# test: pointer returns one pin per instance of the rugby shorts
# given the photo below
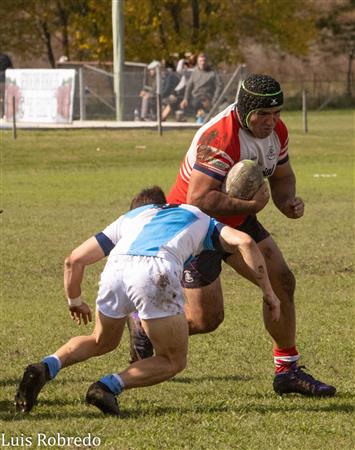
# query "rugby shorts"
(147, 284)
(207, 266)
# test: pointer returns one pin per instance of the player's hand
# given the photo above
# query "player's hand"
(81, 313)
(261, 198)
(294, 208)
(274, 306)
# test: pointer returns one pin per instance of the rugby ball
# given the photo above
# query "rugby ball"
(243, 180)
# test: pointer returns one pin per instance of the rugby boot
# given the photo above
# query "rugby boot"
(296, 380)
(100, 396)
(140, 345)
(33, 380)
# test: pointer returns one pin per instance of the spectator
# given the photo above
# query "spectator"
(169, 80)
(147, 94)
(172, 101)
(203, 88)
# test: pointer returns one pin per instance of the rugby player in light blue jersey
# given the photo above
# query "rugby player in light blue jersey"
(147, 248)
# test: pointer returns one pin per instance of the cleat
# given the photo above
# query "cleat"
(297, 381)
(140, 345)
(33, 380)
(100, 396)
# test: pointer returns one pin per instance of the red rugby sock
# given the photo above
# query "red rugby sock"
(284, 358)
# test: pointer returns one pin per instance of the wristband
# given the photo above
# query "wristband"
(75, 301)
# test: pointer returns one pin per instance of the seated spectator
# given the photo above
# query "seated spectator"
(169, 80)
(203, 88)
(148, 94)
(172, 101)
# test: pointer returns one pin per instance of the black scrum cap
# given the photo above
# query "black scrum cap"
(256, 92)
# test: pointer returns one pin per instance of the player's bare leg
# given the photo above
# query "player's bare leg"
(169, 336)
(204, 312)
(105, 337)
(289, 377)
(204, 307)
(282, 280)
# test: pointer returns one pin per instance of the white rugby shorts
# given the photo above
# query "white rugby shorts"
(146, 284)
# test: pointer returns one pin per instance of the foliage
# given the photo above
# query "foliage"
(59, 187)
(220, 28)
(337, 33)
(82, 29)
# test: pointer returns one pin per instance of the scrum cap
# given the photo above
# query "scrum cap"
(256, 92)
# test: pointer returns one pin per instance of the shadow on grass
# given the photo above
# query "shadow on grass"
(307, 406)
(197, 380)
(10, 381)
(9, 414)
(275, 405)
(60, 381)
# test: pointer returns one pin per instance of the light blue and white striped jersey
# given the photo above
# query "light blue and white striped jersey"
(176, 232)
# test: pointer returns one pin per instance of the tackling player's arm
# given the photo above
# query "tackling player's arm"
(283, 191)
(205, 192)
(87, 253)
(232, 241)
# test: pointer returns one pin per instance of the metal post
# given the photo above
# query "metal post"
(239, 72)
(118, 54)
(14, 131)
(82, 94)
(158, 79)
(304, 110)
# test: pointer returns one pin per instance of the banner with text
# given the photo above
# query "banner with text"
(40, 95)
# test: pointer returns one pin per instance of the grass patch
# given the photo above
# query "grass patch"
(60, 187)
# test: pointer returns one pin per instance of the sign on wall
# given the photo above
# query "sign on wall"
(41, 95)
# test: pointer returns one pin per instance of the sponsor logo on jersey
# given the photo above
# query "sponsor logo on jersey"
(268, 172)
(188, 277)
(271, 153)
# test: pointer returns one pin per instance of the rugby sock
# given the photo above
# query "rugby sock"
(54, 365)
(114, 382)
(284, 358)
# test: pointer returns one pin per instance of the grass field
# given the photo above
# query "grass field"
(58, 188)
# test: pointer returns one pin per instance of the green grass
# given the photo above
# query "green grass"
(58, 188)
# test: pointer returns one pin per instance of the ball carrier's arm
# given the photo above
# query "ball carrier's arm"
(283, 191)
(205, 193)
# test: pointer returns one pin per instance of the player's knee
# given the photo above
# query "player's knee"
(104, 345)
(205, 323)
(288, 283)
(178, 364)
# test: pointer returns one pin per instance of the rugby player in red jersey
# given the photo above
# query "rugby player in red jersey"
(249, 129)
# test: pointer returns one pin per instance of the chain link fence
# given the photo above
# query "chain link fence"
(94, 97)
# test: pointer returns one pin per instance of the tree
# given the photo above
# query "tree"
(218, 27)
(71, 28)
(337, 34)
(156, 29)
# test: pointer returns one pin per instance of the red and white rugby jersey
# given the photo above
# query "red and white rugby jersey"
(221, 143)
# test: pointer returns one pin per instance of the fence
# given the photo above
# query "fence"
(100, 101)
(94, 92)
(94, 97)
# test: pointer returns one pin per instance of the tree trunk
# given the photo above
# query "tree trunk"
(195, 8)
(349, 75)
(47, 39)
(175, 12)
(64, 22)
